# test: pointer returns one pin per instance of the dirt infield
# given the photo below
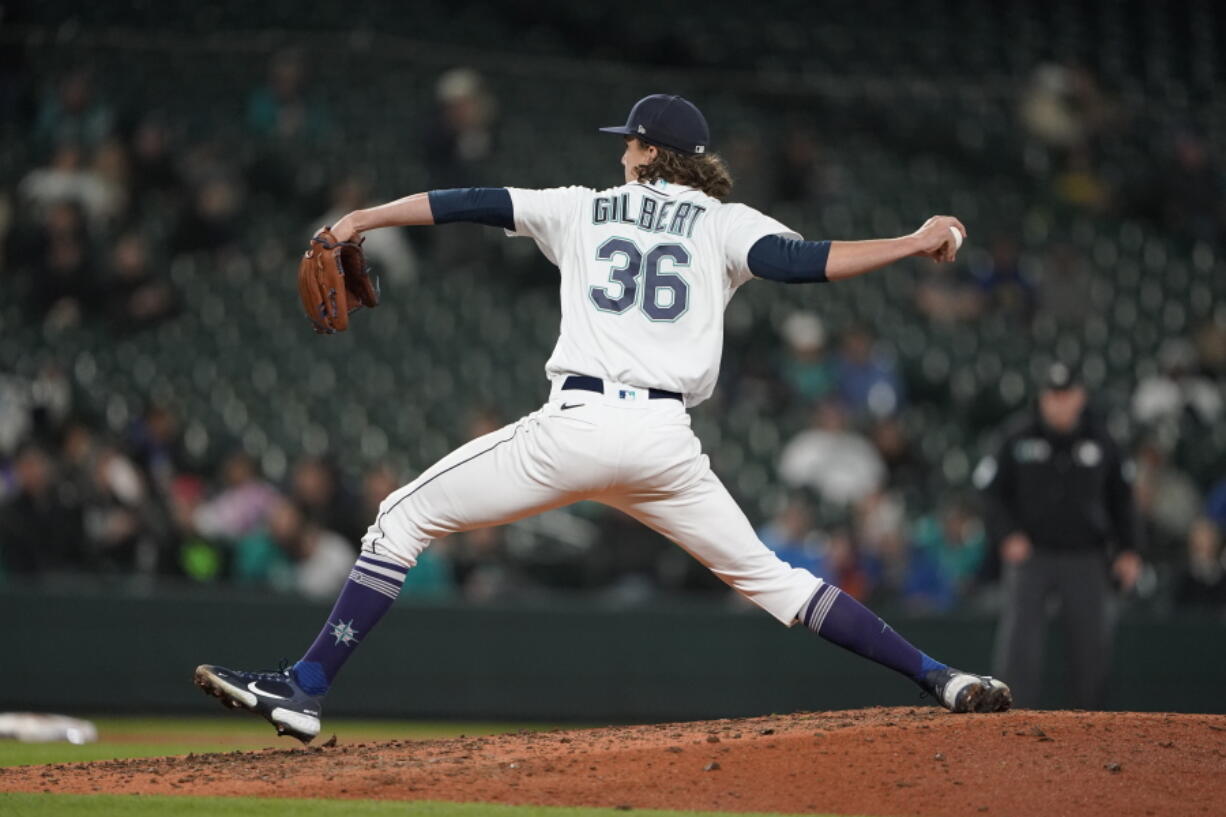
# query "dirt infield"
(899, 761)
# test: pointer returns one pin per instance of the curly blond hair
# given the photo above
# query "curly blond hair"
(706, 171)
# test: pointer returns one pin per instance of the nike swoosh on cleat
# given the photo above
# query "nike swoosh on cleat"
(566, 406)
(251, 686)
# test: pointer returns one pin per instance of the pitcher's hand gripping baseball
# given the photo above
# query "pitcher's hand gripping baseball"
(334, 280)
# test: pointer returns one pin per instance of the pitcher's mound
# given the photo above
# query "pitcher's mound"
(899, 761)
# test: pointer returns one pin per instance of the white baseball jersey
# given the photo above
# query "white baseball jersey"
(646, 273)
(647, 270)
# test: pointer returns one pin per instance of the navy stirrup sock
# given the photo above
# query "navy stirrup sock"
(374, 583)
(837, 617)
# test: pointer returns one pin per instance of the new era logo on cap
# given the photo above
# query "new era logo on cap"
(668, 121)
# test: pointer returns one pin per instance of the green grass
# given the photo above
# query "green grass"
(116, 805)
(157, 737)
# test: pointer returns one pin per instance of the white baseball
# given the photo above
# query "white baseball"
(957, 237)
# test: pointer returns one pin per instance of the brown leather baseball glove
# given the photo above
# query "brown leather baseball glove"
(333, 280)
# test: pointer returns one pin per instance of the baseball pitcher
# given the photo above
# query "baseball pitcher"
(646, 270)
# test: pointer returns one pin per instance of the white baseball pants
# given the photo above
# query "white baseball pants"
(619, 448)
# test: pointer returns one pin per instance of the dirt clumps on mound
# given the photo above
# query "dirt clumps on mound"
(898, 761)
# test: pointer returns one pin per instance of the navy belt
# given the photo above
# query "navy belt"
(584, 382)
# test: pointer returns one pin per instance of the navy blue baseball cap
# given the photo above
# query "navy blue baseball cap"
(667, 120)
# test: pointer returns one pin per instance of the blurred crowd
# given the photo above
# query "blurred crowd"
(89, 232)
(76, 498)
(846, 514)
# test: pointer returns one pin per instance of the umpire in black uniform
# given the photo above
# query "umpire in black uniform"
(1060, 509)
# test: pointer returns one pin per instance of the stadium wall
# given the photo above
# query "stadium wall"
(100, 653)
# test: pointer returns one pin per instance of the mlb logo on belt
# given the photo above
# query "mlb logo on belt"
(626, 394)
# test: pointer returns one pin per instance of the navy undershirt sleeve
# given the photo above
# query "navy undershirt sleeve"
(480, 205)
(790, 260)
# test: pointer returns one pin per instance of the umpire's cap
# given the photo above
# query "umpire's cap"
(1059, 377)
(667, 120)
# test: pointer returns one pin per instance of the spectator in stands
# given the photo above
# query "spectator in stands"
(954, 538)
(1215, 504)
(833, 556)
(136, 297)
(1177, 391)
(844, 566)
(154, 171)
(945, 296)
(793, 538)
(459, 145)
(1191, 184)
(55, 258)
(1078, 183)
(840, 465)
(904, 465)
(1166, 497)
(460, 138)
(68, 180)
(899, 573)
(378, 483)
(1006, 287)
(290, 123)
(1201, 584)
(1063, 107)
(879, 522)
(156, 443)
(282, 111)
(34, 409)
(867, 382)
(388, 251)
(72, 114)
(315, 487)
(908, 576)
(124, 528)
(804, 365)
(112, 166)
(40, 524)
(211, 220)
(294, 555)
(240, 507)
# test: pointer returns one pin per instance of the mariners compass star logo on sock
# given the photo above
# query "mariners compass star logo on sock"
(343, 632)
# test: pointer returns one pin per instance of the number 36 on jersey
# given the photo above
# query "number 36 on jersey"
(647, 279)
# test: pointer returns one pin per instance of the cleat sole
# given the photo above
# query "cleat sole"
(286, 721)
(998, 697)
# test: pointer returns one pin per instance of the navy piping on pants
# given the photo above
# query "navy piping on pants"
(379, 521)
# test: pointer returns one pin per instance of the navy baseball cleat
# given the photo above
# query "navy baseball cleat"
(274, 695)
(964, 692)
